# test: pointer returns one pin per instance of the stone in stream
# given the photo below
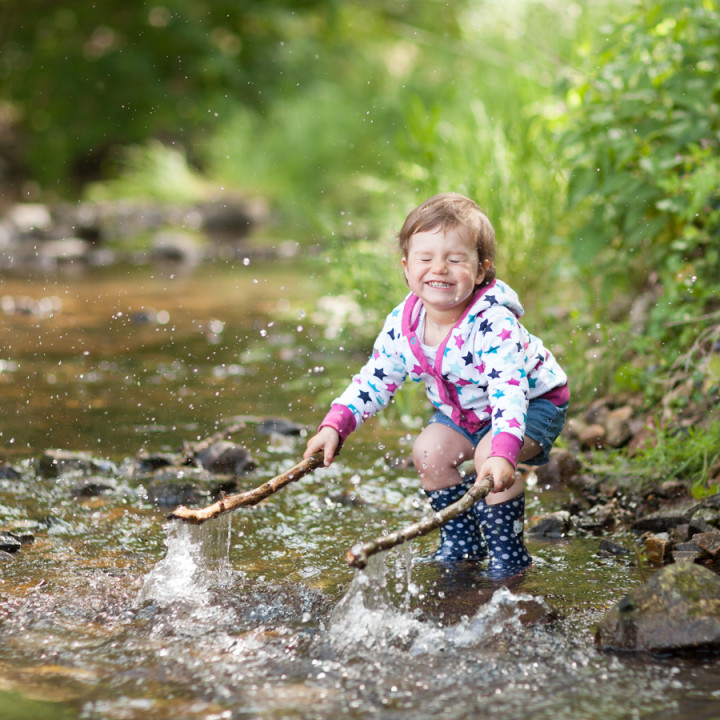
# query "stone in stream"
(608, 548)
(8, 472)
(554, 525)
(661, 521)
(677, 609)
(9, 543)
(55, 463)
(278, 426)
(226, 457)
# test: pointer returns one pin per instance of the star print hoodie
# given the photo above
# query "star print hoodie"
(486, 370)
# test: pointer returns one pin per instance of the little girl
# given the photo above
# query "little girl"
(500, 396)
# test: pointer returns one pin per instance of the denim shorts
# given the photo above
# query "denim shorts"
(544, 423)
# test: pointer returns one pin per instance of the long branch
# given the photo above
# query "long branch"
(249, 497)
(357, 556)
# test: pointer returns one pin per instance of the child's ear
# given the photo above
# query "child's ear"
(403, 262)
(483, 267)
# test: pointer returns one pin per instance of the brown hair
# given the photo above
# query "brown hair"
(452, 210)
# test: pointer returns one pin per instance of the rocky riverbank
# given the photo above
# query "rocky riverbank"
(40, 237)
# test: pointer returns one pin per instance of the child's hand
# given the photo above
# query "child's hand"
(501, 470)
(326, 440)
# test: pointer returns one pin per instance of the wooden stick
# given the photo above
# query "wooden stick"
(357, 556)
(250, 497)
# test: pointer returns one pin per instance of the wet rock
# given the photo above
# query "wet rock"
(671, 489)
(663, 521)
(605, 516)
(680, 533)
(92, 489)
(55, 463)
(698, 525)
(55, 254)
(592, 437)
(226, 458)
(9, 543)
(30, 220)
(712, 501)
(708, 542)
(555, 525)
(597, 412)
(13, 541)
(562, 466)
(608, 548)
(687, 553)
(617, 426)
(347, 497)
(168, 494)
(8, 472)
(279, 426)
(657, 548)
(149, 463)
(707, 514)
(176, 248)
(230, 219)
(677, 609)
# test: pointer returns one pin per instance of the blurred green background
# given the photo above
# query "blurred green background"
(587, 130)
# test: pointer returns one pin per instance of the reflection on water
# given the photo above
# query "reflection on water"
(115, 613)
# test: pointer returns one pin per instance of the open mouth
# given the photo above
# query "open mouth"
(440, 285)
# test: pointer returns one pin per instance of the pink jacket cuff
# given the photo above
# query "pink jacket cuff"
(507, 446)
(341, 419)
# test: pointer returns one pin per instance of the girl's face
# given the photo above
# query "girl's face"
(442, 268)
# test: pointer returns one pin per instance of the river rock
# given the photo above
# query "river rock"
(149, 463)
(592, 437)
(226, 458)
(657, 548)
(9, 543)
(176, 247)
(660, 522)
(55, 463)
(278, 426)
(617, 426)
(608, 548)
(709, 542)
(678, 608)
(169, 494)
(554, 525)
(8, 472)
(562, 466)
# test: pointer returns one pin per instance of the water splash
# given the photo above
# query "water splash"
(366, 619)
(197, 561)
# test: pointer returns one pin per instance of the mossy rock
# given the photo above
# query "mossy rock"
(677, 609)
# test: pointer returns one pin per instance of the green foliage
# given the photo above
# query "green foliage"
(152, 172)
(643, 142)
(687, 455)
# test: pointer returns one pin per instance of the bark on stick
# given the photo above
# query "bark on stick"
(357, 556)
(250, 497)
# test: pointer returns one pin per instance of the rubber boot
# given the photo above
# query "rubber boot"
(503, 525)
(461, 537)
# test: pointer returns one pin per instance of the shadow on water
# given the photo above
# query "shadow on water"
(114, 613)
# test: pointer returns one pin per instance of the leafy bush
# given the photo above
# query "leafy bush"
(645, 170)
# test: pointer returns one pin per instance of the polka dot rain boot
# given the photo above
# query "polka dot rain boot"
(461, 537)
(503, 525)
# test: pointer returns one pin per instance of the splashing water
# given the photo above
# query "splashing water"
(366, 619)
(197, 561)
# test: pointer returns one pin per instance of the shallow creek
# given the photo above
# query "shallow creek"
(114, 612)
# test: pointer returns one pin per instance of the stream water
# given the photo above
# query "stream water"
(114, 612)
